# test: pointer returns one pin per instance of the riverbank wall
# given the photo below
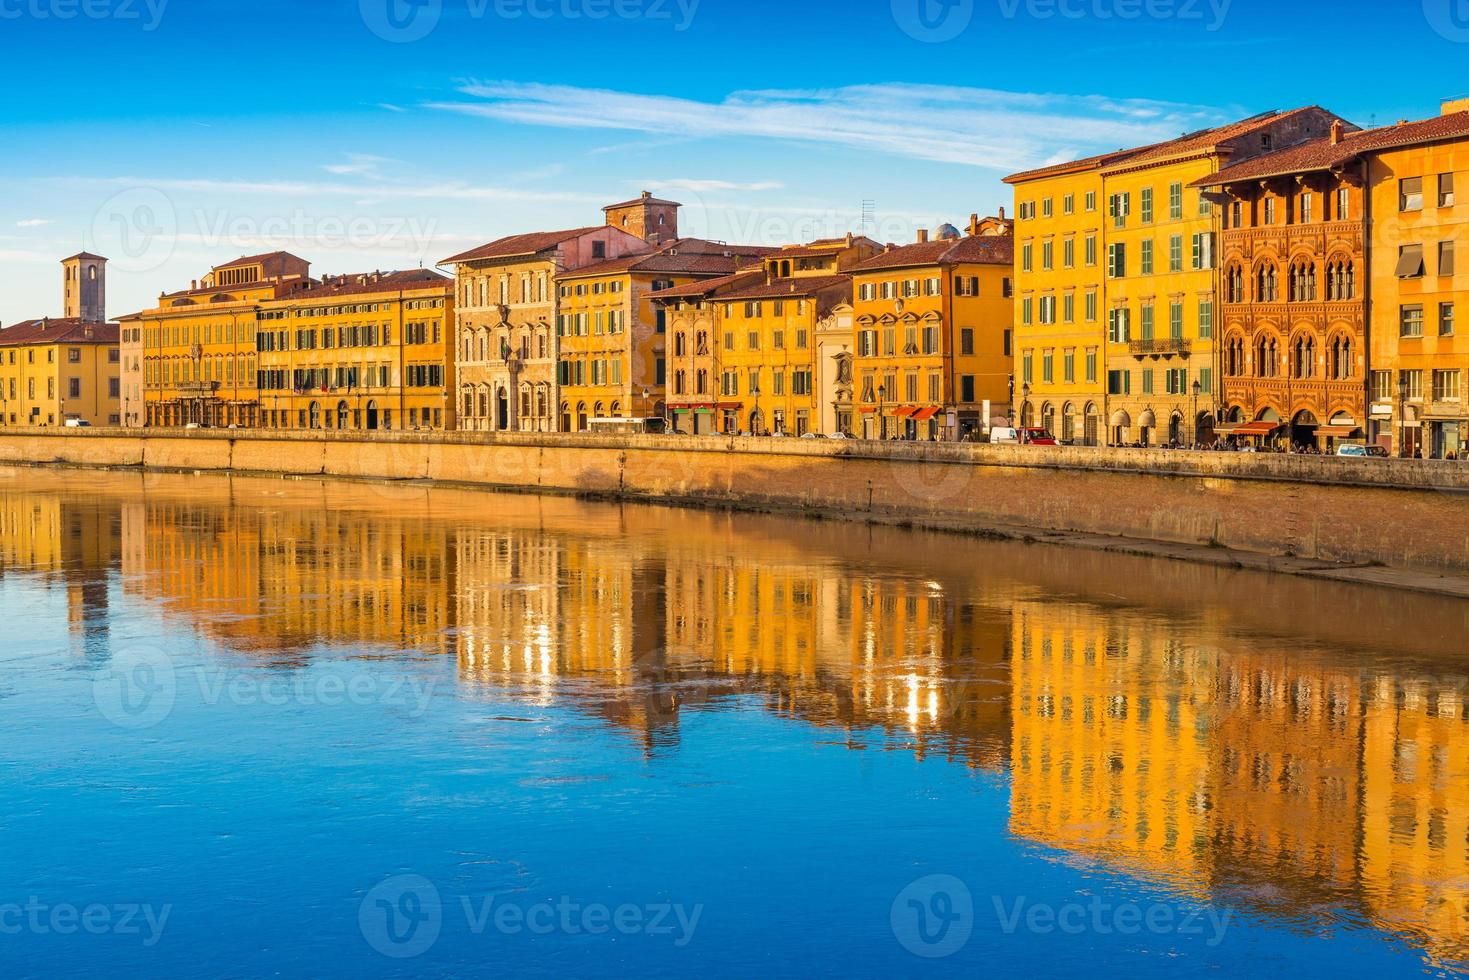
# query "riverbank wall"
(1410, 514)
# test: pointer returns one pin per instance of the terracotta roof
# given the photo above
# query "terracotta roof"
(642, 200)
(256, 259)
(982, 249)
(783, 288)
(1322, 154)
(528, 244)
(362, 283)
(85, 255)
(62, 331)
(1197, 140)
(704, 287)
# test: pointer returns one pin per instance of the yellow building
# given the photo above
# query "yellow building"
(613, 336)
(933, 327)
(198, 344)
(1116, 283)
(52, 371)
(368, 352)
(759, 364)
(1420, 224)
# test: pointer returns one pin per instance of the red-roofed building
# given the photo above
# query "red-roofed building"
(933, 322)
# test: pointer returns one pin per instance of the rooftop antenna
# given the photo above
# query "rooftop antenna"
(869, 215)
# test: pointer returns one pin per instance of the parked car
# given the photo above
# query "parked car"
(838, 435)
(1361, 451)
(77, 424)
(1023, 437)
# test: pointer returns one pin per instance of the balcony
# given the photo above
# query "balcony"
(1164, 347)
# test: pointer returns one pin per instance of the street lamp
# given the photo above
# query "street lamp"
(1196, 389)
(1403, 414)
(1024, 403)
(882, 423)
(755, 390)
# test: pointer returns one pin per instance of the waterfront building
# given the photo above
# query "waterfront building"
(835, 378)
(1293, 293)
(933, 327)
(199, 353)
(132, 406)
(613, 335)
(68, 368)
(1420, 288)
(749, 339)
(1116, 282)
(371, 351)
(506, 309)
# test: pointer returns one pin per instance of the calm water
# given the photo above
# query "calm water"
(258, 727)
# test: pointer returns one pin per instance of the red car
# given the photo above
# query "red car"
(1037, 437)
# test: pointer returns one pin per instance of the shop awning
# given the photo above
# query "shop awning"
(924, 414)
(1255, 429)
(1121, 420)
(1147, 420)
(902, 413)
(1337, 431)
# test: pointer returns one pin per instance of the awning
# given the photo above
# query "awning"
(1147, 420)
(1247, 429)
(1410, 262)
(1120, 419)
(903, 413)
(1337, 431)
(924, 414)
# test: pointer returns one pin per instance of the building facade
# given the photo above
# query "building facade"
(1419, 228)
(199, 346)
(366, 352)
(613, 333)
(1116, 279)
(933, 338)
(506, 309)
(1293, 295)
(52, 371)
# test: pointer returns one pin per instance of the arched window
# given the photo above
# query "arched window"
(1341, 280)
(1339, 366)
(1267, 352)
(1266, 284)
(1302, 282)
(1235, 284)
(678, 382)
(1303, 357)
(678, 344)
(701, 382)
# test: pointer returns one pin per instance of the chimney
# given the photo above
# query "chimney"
(1338, 131)
(647, 195)
(45, 323)
(849, 239)
(974, 222)
(922, 235)
(1002, 214)
(193, 284)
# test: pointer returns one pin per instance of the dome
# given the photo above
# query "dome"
(946, 233)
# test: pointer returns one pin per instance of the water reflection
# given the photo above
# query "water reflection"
(1295, 749)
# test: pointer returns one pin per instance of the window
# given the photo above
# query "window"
(1343, 204)
(1048, 309)
(1048, 367)
(1175, 202)
(1206, 319)
(966, 341)
(1410, 262)
(1446, 258)
(1446, 319)
(1091, 200)
(1116, 260)
(1146, 206)
(1119, 207)
(1175, 381)
(1145, 259)
(1091, 306)
(74, 355)
(1025, 257)
(1175, 253)
(1027, 308)
(1410, 321)
(1068, 253)
(1206, 380)
(1091, 365)
(1118, 329)
(1413, 383)
(1410, 194)
(1147, 381)
(1046, 211)
(1119, 383)
(1068, 366)
(1269, 211)
(1068, 308)
(1307, 199)
(1027, 368)
(73, 387)
(1146, 321)
(1445, 190)
(1382, 386)
(1091, 250)
(1175, 321)
(1446, 386)
(1048, 251)
(1203, 250)
(1068, 204)
(966, 388)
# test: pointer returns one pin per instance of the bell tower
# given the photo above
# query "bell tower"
(84, 288)
(653, 220)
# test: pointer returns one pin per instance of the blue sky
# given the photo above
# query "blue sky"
(171, 135)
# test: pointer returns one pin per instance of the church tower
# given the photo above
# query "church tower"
(654, 221)
(84, 287)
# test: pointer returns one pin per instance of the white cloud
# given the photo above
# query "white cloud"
(358, 164)
(980, 127)
(34, 223)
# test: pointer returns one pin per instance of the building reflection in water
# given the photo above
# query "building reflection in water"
(1278, 745)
